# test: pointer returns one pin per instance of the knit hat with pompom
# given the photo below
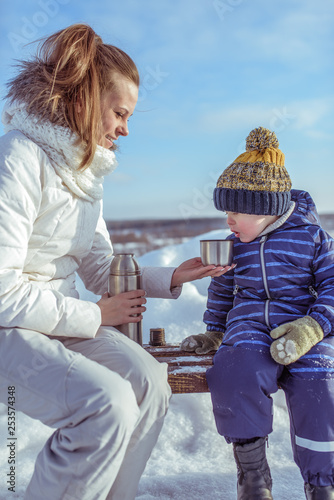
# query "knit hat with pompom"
(257, 181)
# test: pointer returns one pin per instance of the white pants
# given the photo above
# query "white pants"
(106, 396)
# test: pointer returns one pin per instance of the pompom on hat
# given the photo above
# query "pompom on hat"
(257, 182)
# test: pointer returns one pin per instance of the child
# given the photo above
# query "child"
(274, 318)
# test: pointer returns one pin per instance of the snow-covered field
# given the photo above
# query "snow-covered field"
(190, 460)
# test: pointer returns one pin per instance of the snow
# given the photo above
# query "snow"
(191, 460)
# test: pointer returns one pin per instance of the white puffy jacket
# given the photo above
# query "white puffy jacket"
(48, 234)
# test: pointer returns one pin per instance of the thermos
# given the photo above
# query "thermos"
(125, 276)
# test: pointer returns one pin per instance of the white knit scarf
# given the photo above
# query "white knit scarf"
(59, 143)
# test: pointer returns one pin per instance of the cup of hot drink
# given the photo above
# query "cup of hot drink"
(217, 252)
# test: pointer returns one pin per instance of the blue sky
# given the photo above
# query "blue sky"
(211, 71)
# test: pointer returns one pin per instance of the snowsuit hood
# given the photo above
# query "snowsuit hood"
(305, 211)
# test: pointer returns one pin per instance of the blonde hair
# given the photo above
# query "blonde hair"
(77, 68)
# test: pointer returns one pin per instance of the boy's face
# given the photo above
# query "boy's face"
(247, 227)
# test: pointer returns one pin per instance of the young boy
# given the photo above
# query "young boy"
(272, 318)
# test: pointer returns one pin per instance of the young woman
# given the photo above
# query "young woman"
(60, 357)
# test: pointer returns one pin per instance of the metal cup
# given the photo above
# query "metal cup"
(217, 252)
(157, 336)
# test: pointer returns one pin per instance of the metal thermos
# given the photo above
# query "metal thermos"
(125, 276)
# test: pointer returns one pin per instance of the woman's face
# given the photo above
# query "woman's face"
(117, 105)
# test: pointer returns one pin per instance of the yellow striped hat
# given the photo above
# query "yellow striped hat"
(257, 182)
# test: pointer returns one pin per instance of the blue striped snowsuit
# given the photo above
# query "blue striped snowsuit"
(282, 276)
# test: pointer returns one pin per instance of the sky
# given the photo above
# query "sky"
(211, 71)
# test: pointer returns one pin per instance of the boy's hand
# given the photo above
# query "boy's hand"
(295, 339)
(202, 343)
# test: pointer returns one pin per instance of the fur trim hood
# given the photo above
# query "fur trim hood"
(30, 86)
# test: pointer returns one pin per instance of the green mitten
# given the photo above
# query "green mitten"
(202, 343)
(295, 339)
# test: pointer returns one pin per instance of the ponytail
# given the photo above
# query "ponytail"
(77, 67)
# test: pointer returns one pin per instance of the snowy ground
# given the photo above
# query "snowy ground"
(190, 461)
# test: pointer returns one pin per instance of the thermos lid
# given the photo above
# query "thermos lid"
(124, 264)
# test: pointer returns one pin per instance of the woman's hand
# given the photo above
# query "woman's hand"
(122, 308)
(193, 269)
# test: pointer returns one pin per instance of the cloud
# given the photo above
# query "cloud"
(287, 33)
(311, 112)
(227, 118)
(301, 115)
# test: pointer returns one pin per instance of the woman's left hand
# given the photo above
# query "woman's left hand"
(193, 269)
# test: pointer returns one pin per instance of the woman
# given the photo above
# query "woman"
(62, 358)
